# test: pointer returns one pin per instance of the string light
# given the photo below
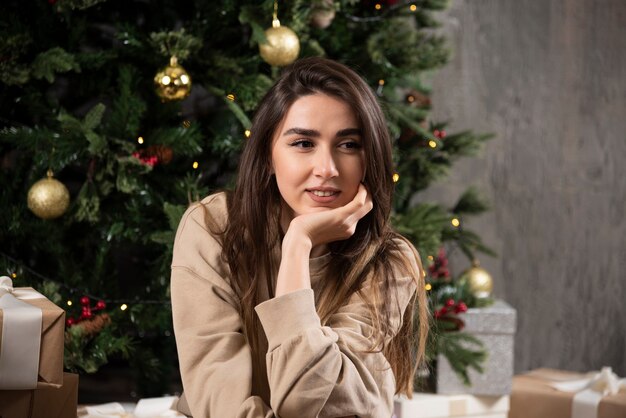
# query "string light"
(431, 258)
(186, 123)
(195, 165)
(124, 306)
(231, 97)
(378, 6)
(381, 82)
(69, 303)
(413, 7)
(140, 139)
(247, 133)
(428, 286)
(455, 222)
(396, 177)
(432, 144)
(410, 99)
(13, 275)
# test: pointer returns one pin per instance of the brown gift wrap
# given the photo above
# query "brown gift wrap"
(43, 402)
(52, 334)
(533, 397)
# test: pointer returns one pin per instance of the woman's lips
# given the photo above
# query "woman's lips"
(323, 199)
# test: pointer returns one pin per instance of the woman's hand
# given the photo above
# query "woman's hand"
(334, 224)
(311, 230)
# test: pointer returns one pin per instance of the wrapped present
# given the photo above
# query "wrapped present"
(31, 339)
(146, 408)
(495, 326)
(44, 402)
(559, 394)
(424, 405)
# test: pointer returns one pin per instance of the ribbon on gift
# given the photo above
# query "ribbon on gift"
(146, 408)
(590, 390)
(21, 337)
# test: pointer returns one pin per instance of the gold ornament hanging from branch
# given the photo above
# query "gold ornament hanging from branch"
(48, 198)
(172, 82)
(479, 281)
(282, 46)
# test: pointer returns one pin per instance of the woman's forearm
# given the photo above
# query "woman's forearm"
(293, 273)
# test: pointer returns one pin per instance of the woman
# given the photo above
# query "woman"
(292, 296)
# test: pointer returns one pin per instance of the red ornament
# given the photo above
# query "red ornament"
(460, 307)
(101, 305)
(450, 303)
(84, 301)
(86, 314)
(70, 321)
(441, 134)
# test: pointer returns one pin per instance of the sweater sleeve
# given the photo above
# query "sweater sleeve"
(215, 358)
(327, 371)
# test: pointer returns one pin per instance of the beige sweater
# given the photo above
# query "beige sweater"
(305, 369)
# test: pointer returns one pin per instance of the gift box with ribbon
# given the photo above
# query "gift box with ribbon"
(31, 339)
(495, 326)
(43, 402)
(424, 405)
(560, 394)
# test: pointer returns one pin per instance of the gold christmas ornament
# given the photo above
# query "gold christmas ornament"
(282, 47)
(172, 82)
(322, 14)
(479, 280)
(48, 198)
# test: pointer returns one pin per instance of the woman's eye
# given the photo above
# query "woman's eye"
(351, 145)
(302, 143)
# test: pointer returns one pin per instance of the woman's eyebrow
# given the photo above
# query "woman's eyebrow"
(315, 134)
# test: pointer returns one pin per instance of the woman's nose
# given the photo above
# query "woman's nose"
(324, 165)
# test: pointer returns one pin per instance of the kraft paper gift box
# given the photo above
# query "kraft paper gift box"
(495, 326)
(424, 405)
(534, 396)
(50, 338)
(43, 402)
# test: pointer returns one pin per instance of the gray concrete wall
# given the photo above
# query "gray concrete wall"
(549, 79)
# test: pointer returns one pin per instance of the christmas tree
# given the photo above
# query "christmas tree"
(132, 110)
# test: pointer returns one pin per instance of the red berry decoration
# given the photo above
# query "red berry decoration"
(84, 301)
(101, 305)
(450, 303)
(461, 307)
(70, 321)
(443, 311)
(86, 314)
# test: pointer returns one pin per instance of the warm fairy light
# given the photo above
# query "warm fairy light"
(396, 177)
(231, 97)
(124, 306)
(381, 82)
(69, 303)
(413, 7)
(14, 275)
(431, 258)
(410, 99)
(195, 165)
(166, 80)
(428, 286)
(455, 222)
(186, 123)
(378, 6)
(432, 144)
(247, 133)
(140, 139)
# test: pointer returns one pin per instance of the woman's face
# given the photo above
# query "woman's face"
(317, 155)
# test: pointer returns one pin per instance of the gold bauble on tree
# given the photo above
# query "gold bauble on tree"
(48, 198)
(172, 82)
(479, 281)
(282, 46)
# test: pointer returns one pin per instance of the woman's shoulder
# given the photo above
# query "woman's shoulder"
(211, 212)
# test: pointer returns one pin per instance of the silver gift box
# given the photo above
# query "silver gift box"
(495, 327)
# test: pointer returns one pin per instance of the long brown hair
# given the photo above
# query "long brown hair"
(252, 236)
